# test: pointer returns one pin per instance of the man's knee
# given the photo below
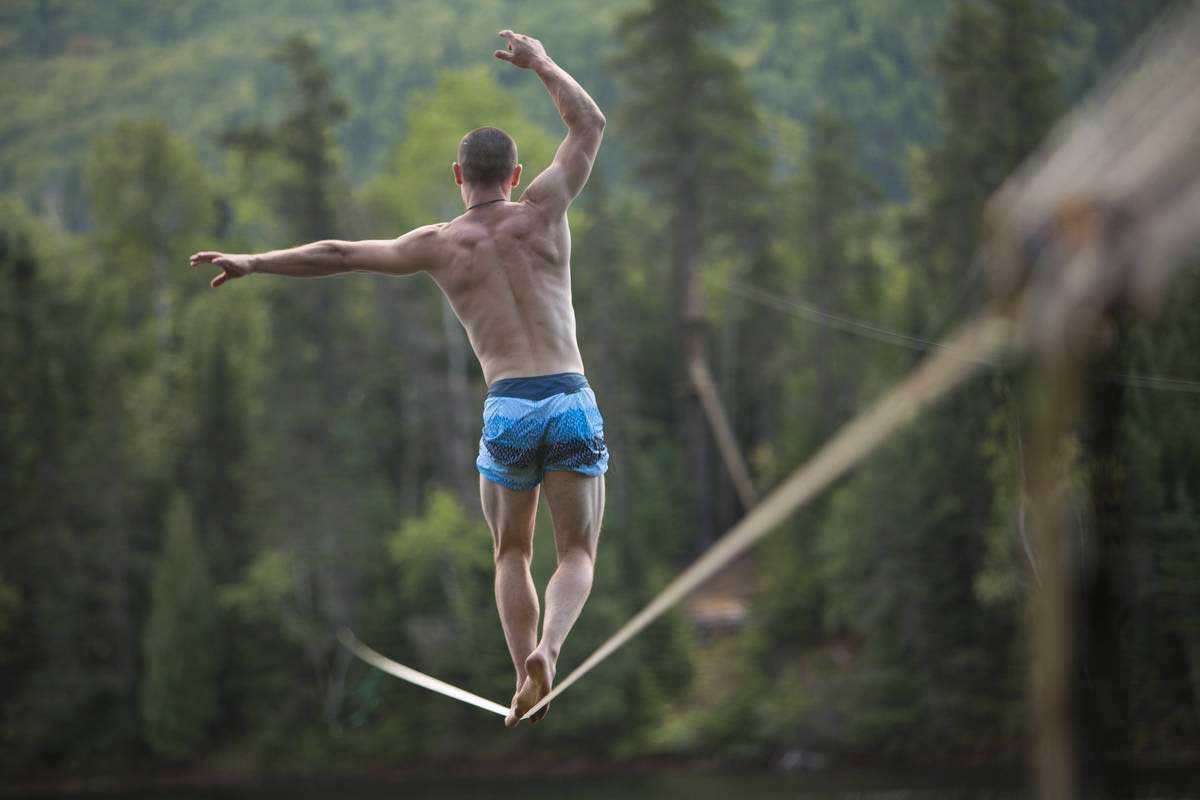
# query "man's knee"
(580, 557)
(513, 545)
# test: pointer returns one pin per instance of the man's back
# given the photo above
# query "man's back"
(505, 268)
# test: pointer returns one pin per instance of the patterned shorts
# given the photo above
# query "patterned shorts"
(547, 422)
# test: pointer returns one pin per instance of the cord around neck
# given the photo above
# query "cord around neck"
(487, 202)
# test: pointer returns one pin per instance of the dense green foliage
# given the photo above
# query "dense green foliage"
(182, 643)
(200, 487)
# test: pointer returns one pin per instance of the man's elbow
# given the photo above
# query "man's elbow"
(336, 253)
(590, 120)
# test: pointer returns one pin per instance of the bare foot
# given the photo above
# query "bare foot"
(522, 701)
(540, 670)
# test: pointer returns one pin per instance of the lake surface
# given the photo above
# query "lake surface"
(693, 785)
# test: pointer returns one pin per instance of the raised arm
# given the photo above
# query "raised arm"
(412, 252)
(563, 180)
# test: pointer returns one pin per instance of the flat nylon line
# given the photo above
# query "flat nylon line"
(409, 674)
(971, 347)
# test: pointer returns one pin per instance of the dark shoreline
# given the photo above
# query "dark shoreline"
(49, 784)
(1176, 771)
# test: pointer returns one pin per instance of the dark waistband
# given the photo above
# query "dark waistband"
(538, 387)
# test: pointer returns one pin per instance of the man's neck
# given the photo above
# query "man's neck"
(473, 197)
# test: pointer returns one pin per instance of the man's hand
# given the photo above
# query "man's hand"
(523, 51)
(232, 266)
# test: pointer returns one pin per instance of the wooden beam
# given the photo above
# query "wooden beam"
(710, 399)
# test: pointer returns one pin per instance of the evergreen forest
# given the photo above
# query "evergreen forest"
(200, 487)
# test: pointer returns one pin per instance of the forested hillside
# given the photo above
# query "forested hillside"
(73, 69)
(199, 487)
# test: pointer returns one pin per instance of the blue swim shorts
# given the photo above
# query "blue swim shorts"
(547, 422)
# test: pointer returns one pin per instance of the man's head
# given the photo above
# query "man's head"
(487, 157)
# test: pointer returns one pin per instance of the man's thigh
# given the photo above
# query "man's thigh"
(509, 514)
(577, 509)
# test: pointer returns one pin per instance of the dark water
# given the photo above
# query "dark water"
(694, 785)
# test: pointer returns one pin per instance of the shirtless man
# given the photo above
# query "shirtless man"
(504, 266)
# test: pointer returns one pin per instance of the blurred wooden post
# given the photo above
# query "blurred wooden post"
(1052, 599)
(1100, 217)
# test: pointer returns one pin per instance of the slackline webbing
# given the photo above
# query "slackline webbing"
(412, 676)
(971, 347)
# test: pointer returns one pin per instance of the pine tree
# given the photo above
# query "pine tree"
(148, 199)
(694, 122)
(828, 221)
(214, 456)
(318, 433)
(999, 98)
(305, 196)
(69, 676)
(833, 232)
(181, 643)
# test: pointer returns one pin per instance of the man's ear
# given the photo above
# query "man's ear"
(516, 176)
(457, 173)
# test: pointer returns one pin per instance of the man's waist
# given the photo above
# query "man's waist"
(538, 387)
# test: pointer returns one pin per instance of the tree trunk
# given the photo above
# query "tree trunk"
(691, 324)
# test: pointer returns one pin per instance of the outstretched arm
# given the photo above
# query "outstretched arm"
(412, 252)
(562, 181)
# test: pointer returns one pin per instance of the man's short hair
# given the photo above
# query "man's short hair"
(487, 156)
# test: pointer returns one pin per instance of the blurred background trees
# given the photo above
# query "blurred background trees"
(200, 487)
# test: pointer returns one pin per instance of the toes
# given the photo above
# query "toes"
(524, 700)
(514, 715)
